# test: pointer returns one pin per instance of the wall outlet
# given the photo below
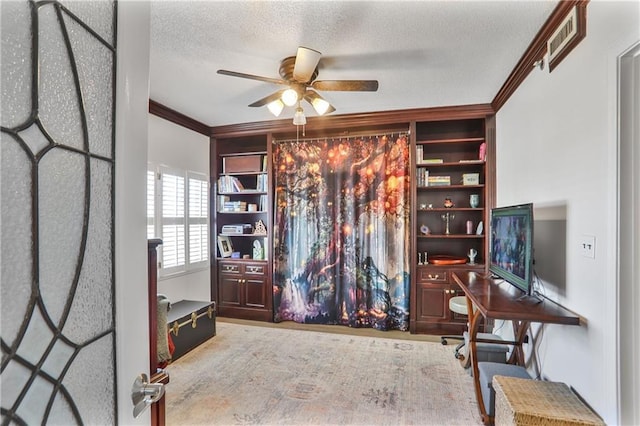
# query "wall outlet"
(588, 246)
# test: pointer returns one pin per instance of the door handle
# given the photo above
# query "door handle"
(143, 394)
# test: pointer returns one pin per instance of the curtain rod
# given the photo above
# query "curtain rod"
(373, 134)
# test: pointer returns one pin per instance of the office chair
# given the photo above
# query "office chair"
(457, 304)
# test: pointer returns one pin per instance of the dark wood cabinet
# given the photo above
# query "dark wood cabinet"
(433, 289)
(242, 216)
(243, 290)
(449, 140)
(452, 193)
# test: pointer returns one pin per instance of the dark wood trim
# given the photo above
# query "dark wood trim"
(158, 408)
(152, 271)
(536, 51)
(178, 118)
(317, 126)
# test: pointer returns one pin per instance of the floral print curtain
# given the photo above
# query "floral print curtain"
(342, 232)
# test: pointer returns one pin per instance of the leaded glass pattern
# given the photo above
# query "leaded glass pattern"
(57, 224)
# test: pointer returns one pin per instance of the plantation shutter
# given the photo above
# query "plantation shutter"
(151, 203)
(198, 226)
(173, 221)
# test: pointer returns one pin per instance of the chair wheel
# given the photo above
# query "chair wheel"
(443, 341)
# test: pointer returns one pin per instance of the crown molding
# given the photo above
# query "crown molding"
(398, 119)
(178, 118)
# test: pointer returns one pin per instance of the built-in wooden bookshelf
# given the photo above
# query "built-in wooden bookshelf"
(451, 136)
(241, 278)
(450, 205)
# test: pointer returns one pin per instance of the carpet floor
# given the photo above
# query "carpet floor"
(256, 375)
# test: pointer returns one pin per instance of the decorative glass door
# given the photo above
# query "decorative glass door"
(57, 223)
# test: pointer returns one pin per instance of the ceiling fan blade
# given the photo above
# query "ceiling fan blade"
(306, 63)
(311, 96)
(252, 77)
(268, 99)
(346, 85)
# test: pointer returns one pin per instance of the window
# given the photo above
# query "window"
(198, 226)
(177, 212)
(151, 203)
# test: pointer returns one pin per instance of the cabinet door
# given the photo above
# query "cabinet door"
(432, 303)
(255, 285)
(229, 283)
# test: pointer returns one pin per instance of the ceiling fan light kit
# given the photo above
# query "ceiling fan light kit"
(290, 97)
(276, 107)
(299, 74)
(298, 118)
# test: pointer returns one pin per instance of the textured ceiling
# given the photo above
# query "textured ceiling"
(423, 53)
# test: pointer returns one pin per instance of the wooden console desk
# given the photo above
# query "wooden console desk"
(487, 299)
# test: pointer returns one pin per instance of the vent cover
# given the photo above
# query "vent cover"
(570, 31)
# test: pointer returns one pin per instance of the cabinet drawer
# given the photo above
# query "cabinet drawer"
(252, 269)
(433, 275)
(229, 268)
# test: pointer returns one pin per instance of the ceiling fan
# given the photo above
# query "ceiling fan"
(299, 74)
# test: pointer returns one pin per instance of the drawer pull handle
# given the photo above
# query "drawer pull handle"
(434, 277)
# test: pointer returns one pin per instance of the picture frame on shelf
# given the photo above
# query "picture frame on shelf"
(224, 246)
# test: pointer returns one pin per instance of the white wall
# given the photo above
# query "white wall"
(178, 147)
(556, 147)
(132, 100)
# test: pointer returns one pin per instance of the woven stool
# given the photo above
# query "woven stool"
(536, 402)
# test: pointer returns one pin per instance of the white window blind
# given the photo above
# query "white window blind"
(198, 222)
(173, 221)
(151, 204)
(178, 213)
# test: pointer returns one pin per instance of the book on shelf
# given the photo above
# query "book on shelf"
(222, 200)
(263, 203)
(228, 183)
(237, 184)
(419, 154)
(261, 182)
(471, 161)
(432, 161)
(439, 180)
(422, 176)
(234, 206)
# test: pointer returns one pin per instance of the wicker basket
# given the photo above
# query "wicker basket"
(536, 402)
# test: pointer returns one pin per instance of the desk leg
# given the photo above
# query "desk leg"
(474, 324)
(520, 334)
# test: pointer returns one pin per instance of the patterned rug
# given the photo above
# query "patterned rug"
(250, 375)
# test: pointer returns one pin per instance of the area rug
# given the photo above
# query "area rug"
(250, 375)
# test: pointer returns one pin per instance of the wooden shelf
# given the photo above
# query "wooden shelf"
(243, 235)
(451, 209)
(245, 212)
(245, 192)
(452, 164)
(452, 236)
(448, 187)
(452, 140)
(456, 142)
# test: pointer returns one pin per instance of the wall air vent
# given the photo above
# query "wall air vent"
(571, 30)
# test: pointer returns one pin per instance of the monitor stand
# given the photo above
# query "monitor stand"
(532, 298)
